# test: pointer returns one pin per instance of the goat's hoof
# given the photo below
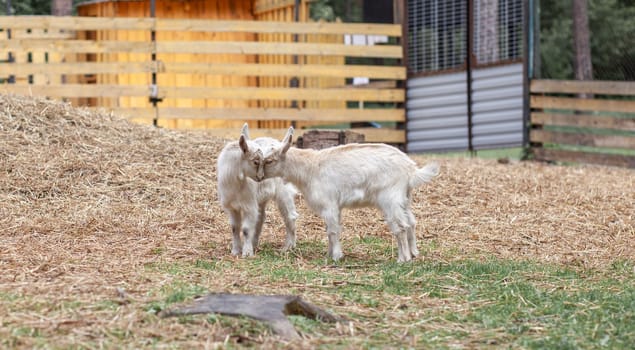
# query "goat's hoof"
(288, 246)
(247, 252)
(404, 259)
(236, 252)
(336, 256)
(415, 253)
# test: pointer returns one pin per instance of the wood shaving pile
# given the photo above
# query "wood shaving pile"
(89, 200)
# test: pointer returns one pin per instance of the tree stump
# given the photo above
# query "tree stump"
(319, 139)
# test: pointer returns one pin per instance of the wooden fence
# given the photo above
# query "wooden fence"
(113, 63)
(583, 121)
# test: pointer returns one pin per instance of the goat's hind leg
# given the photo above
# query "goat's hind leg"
(410, 231)
(398, 220)
(403, 247)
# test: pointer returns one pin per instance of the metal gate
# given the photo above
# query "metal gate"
(465, 87)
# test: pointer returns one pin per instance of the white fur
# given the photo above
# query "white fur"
(353, 175)
(245, 200)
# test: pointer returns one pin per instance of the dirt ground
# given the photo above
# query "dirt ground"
(87, 200)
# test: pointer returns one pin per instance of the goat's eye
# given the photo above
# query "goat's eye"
(268, 161)
(256, 162)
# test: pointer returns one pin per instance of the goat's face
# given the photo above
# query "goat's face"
(252, 159)
(273, 163)
(274, 157)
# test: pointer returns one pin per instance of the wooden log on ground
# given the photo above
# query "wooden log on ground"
(319, 139)
(272, 309)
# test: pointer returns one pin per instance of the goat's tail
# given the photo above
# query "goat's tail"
(425, 174)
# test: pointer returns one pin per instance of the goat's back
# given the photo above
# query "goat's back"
(366, 161)
(354, 174)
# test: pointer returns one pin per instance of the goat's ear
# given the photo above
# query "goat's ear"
(286, 142)
(245, 131)
(242, 141)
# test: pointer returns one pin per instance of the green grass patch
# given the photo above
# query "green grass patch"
(515, 153)
(518, 303)
(434, 303)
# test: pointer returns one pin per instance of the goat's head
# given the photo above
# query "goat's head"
(274, 158)
(252, 157)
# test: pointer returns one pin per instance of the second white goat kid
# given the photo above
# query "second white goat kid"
(245, 200)
(349, 176)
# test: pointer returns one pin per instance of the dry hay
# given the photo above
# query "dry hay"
(89, 201)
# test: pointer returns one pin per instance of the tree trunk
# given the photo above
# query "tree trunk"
(582, 49)
(61, 7)
(487, 31)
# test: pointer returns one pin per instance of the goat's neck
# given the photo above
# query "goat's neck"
(300, 163)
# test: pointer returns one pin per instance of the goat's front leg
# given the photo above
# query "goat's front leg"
(235, 219)
(250, 221)
(286, 206)
(333, 230)
(260, 221)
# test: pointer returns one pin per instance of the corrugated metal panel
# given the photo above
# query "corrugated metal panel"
(437, 113)
(437, 110)
(497, 106)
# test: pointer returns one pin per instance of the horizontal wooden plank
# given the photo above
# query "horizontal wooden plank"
(299, 70)
(304, 94)
(199, 25)
(583, 120)
(201, 47)
(77, 46)
(580, 86)
(128, 112)
(203, 25)
(583, 157)
(244, 93)
(579, 139)
(278, 48)
(582, 104)
(263, 6)
(290, 114)
(247, 69)
(255, 69)
(77, 68)
(76, 22)
(370, 134)
(77, 90)
(49, 35)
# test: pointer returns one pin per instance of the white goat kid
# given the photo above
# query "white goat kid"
(353, 175)
(245, 200)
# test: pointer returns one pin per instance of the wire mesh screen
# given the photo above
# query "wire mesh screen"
(437, 30)
(498, 29)
(436, 34)
(611, 38)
